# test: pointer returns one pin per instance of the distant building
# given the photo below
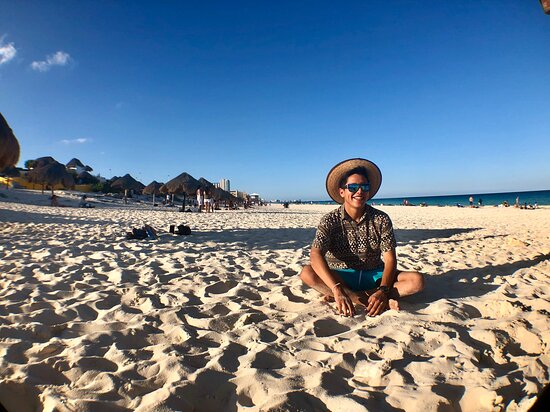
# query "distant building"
(225, 185)
(238, 194)
(77, 166)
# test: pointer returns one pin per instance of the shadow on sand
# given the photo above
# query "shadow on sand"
(463, 283)
(11, 216)
(285, 238)
(422, 235)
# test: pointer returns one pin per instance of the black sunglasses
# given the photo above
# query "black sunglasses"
(354, 187)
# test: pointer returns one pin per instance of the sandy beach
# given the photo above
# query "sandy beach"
(219, 320)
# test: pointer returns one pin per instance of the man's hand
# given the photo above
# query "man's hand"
(344, 305)
(377, 302)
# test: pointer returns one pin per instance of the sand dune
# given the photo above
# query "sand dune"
(219, 320)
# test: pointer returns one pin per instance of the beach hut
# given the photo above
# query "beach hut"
(9, 146)
(51, 174)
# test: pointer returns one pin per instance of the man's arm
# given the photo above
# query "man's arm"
(333, 283)
(378, 301)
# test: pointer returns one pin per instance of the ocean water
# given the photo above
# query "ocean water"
(541, 197)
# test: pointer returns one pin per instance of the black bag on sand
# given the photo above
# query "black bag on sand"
(139, 234)
(184, 230)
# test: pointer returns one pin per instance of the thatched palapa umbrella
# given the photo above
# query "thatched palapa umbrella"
(43, 161)
(127, 182)
(153, 188)
(9, 146)
(205, 184)
(184, 184)
(51, 174)
(220, 194)
(85, 178)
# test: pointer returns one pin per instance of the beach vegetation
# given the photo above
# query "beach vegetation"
(101, 187)
(30, 164)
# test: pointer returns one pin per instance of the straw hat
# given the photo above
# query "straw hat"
(336, 173)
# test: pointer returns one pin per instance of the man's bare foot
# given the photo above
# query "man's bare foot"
(393, 304)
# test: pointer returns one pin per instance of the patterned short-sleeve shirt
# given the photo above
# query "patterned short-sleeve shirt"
(348, 244)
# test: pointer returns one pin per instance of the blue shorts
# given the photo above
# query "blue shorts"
(360, 279)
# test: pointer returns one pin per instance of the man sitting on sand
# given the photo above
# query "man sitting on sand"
(346, 264)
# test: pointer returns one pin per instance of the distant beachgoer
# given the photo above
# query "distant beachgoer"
(471, 201)
(517, 202)
(83, 203)
(536, 205)
(480, 202)
(207, 199)
(346, 264)
(200, 199)
(54, 200)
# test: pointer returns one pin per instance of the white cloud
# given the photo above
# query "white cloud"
(7, 52)
(59, 58)
(80, 140)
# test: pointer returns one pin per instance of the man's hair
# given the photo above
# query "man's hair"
(355, 171)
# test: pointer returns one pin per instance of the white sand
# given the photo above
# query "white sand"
(219, 320)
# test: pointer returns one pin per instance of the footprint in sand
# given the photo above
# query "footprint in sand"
(97, 363)
(335, 382)
(235, 320)
(266, 360)
(42, 374)
(229, 360)
(221, 287)
(211, 391)
(328, 327)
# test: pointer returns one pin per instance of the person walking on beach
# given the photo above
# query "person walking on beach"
(471, 201)
(200, 199)
(350, 242)
(207, 201)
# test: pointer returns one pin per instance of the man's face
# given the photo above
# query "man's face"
(359, 198)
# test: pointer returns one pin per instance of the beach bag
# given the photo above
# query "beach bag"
(139, 234)
(184, 230)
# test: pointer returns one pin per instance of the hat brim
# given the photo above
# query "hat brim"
(338, 171)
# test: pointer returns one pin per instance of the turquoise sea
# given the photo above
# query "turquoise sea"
(541, 197)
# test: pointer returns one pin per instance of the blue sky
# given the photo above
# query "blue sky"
(445, 96)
